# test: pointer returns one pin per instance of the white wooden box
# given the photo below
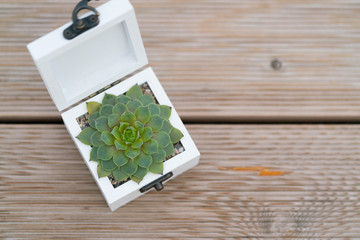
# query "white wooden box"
(76, 69)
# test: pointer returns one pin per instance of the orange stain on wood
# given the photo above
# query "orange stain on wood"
(267, 172)
(263, 171)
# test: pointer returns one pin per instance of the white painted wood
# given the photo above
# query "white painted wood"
(74, 69)
(130, 190)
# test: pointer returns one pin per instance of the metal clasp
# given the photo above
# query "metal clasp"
(157, 184)
(81, 25)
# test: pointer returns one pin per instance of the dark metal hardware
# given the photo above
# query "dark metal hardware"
(81, 25)
(157, 184)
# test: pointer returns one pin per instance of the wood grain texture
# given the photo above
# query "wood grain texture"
(213, 57)
(47, 191)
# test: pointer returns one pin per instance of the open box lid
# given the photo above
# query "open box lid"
(74, 69)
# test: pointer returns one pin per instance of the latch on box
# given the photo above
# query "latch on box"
(81, 25)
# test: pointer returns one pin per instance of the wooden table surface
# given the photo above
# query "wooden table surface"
(280, 146)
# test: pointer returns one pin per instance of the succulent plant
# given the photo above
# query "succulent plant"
(130, 135)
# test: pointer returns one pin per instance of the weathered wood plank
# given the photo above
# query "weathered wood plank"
(213, 57)
(255, 181)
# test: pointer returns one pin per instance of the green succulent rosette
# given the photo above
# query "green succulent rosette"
(130, 135)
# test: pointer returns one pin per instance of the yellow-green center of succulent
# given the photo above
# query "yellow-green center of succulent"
(130, 134)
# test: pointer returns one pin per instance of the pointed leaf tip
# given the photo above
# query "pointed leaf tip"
(175, 135)
(139, 175)
(109, 99)
(157, 168)
(165, 111)
(135, 92)
(102, 172)
(146, 99)
(122, 99)
(120, 175)
(93, 107)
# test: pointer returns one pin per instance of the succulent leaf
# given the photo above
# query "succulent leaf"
(147, 134)
(114, 120)
(155, 122)
(156, 168)
(138, 143)
(128, 117)
(120, 145)
(169, 150)
(93, 154)
(130, 167)
(95, 139)
(102, 124)
(143, 114)
(165, 111)
(101, 172)
(122, 99)
(106, 152)
(93, 107)
(106, 110)
(107, 138)
(139, 126)
(119, 108)
(108, 165)
(143, 160)
(132, 106)
(160, 156)
(109, 99)
(167, 127)
(146, 99)
(120, 158)
(136, 179)
(123, 126)
(85, 135)
(150, 147)
(154, 108)
(175, 135)
(162, 138)
(139, 175)
(116, 133)
(92, 119)
(134, 92)
(120, 175)
(131, 152)
(130, 135)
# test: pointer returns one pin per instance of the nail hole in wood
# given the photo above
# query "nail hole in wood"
(276, 64)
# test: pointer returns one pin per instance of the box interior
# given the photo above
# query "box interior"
(97, 58)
